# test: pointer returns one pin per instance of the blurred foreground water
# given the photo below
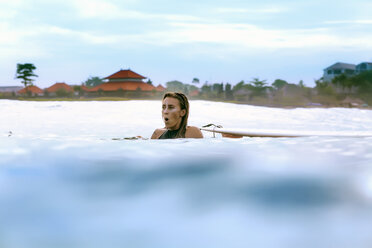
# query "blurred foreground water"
(64, 182)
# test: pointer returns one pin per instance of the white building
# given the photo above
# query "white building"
(338, 69)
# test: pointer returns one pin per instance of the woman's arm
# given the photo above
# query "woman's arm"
(157, 133)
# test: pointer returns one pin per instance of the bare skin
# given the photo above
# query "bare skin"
(191, 132)
(172, 113)
(172, 116)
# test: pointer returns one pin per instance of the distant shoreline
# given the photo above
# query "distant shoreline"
(283, 106)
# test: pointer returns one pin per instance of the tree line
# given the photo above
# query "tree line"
(254, 91)
(241, 91)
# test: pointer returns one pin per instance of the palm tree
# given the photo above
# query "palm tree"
(25, 72)
(258, 86)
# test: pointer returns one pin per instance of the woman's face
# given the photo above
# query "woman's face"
(172, 113)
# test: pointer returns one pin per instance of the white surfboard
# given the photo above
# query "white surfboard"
(239, 133)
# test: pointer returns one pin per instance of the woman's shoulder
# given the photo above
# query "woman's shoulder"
(193, 132)
(157, 133)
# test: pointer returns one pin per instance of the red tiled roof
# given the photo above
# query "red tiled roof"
(58, 86)
(160, 88)
(33, 89)
(84, 88)
(125, 74)
(114, 86)
(194, 93)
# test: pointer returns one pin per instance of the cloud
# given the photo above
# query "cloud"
(246, 36)
(7, 14)
(269, 10)
(12, 44)
(85, 36)
(7, 35)
(237, 36)
(367, 21)
(9, 9)
(174, 30)
(99, 9)
(11, 3)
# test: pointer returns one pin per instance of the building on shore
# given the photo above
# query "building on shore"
(364, 66)
(9, 91)
(31, 90)
(126, 81)
(344, 68)
(61, 89)
(160, 88)
(338, 69)
(194, 93)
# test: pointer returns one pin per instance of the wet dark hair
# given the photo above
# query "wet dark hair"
(184, 104)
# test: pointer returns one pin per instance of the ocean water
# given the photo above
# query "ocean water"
(68, 179)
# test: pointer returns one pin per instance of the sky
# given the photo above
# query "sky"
(219, 41)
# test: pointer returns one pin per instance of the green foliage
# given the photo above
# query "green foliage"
(192, 87)
(78, 89)
(215, 91)
(342, 81)
(186, 90)
(120, 92)
(320, 83)
(259, 87)
(149, 82)
(63, 93)
(238, 86)
(324, 88)
(46, 92)
(258, 83)
(206, 89)
(218, 90)
(175, 86)
(308, 93)
(228, 92)
(25, 72)
(279, 83)
(135, 94)
(363, 81)
(93, 81)
(195, 81)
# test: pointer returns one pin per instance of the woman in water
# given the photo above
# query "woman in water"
(175, 112)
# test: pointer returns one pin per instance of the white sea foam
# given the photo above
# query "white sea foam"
(65, 181)
(132, 118)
